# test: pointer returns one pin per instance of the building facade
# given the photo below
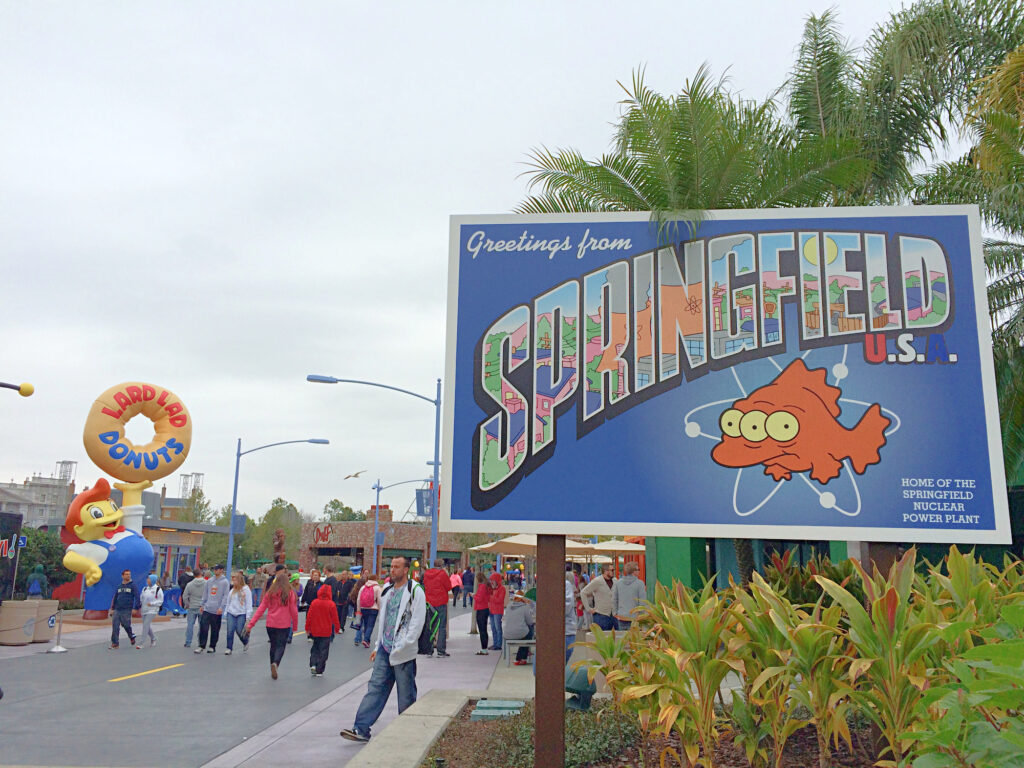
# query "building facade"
(351, 543)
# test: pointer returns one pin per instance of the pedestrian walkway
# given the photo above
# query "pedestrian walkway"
(309, 737)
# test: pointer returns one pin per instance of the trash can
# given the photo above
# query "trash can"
(17, 621)
(46, 621)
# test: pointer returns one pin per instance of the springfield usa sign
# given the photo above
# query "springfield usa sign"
(786, 374)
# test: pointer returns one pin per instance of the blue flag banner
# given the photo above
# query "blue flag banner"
(786, 374)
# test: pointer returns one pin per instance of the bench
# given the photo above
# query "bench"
(507, 645)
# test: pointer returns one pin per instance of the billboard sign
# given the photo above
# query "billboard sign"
(786, 374)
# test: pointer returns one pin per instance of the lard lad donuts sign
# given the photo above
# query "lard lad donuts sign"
(795, 374)
(115, 454)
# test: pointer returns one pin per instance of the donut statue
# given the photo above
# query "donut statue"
(115, 454)
(104, 538)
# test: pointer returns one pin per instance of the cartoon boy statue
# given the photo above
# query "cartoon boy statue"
(103, 547)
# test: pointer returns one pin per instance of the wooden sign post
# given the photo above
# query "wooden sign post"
(549, 712)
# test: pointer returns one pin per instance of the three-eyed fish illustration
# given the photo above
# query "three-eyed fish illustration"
(792, 425)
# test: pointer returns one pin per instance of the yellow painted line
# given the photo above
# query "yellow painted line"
(299, 633)
(150, 672)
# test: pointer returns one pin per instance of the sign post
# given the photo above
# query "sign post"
(549, 703)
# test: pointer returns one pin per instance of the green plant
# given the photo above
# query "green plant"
(975, 718)
(891, 643)
(622, 667)
(750, 730)
(691, 661)
(760, 644)
(796, 583)
(815, 655)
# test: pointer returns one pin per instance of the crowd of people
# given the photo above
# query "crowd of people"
(408, 610)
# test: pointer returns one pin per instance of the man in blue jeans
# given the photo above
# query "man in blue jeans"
(403, 609)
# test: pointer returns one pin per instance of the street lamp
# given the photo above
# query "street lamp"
(25, 389)
(436, 463)
(376, 511)
(239, 453)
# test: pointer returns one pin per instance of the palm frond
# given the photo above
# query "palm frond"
(819, 87)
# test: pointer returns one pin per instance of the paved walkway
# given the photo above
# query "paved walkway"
(309, 737)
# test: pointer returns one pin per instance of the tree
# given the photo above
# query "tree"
(259, 543)
(197, 508)
(42, 548)
(337, 512)
(914, 78)
(678, 156)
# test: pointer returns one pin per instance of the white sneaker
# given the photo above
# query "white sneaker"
(227, 652)
(198, 650)
(312, 670)
(245, 649)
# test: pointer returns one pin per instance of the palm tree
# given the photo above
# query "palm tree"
(992, 175)
(678, 156)
(915, 77)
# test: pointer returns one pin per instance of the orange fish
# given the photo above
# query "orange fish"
(791, 425)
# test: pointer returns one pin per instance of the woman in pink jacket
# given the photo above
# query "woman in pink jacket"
(282, 609)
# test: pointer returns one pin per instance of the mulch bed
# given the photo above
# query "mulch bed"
(466, 744)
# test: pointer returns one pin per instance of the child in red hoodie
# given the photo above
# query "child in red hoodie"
(321, 624)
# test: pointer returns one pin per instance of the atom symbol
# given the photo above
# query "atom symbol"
(694, 304)
(826, 499)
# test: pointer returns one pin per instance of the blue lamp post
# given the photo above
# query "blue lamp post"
(436, 463)
(376, 511)
(239, 453)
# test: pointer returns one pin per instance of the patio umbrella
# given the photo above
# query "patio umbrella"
(619, 547)
(526, 544)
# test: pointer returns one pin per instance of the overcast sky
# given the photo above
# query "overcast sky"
(221, 198)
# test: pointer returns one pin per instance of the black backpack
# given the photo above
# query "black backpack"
(431, 624)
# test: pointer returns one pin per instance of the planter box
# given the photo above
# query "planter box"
(43, 631)
(17, 621)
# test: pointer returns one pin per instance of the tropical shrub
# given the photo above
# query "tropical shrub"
(933, 657)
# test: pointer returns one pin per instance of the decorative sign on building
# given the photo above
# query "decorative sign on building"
(795, 374)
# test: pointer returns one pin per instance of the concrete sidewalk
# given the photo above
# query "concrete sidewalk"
(309, 737)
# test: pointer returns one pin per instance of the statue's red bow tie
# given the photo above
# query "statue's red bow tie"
(110, 534)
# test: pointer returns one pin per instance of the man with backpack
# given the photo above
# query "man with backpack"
(437, 584)
(403, 611)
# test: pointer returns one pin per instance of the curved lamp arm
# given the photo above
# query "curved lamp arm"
(315, 441)
(332, 380)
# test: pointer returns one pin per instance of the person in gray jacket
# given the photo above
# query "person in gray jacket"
(597, 598)
(192, 602)
(518, 623)
(627, 594)
(215, 600)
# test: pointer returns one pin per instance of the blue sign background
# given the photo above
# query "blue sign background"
(639, 472)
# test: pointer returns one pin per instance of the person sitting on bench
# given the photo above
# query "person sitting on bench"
(518, 624)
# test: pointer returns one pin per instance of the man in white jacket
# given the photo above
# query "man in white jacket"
(403, 609)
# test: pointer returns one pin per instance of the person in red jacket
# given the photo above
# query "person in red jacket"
(480, 602)
(496, 606)
(437, 584)
(321, 624)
